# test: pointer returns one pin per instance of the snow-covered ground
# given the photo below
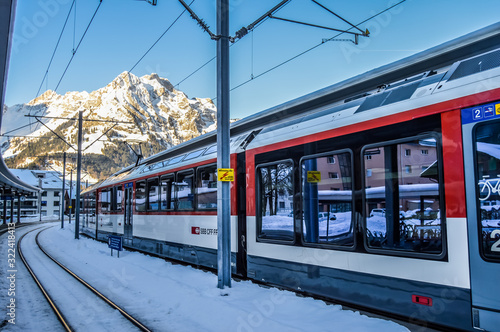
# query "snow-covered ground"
(168, 297)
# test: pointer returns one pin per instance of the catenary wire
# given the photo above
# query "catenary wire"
(161, 36)
(215, 57)
(55, 49)
(78, 46)
(76, 49)
(311, 48)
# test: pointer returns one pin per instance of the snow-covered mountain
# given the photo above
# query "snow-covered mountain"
(158, 117)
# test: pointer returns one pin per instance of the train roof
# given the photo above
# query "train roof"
(425, 67)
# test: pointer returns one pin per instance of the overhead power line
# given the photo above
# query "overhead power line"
(314, 47)
(78, 46)
(161, 36)
(240, 33)
(75, 50)
(200, 22)
(55, 49)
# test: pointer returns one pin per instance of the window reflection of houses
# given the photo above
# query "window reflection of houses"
(413, 163)
(334, 172)
(335, 177)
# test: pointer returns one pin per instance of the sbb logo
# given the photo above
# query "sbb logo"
(195, 230)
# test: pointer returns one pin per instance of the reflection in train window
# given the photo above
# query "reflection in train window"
(140, 196)
(153, 193)
(167, 192)
(105, 200)
(206, 188)
(184, 190)
(90, 209)
(487, 159)
(118, 195)
(275, 201)
(403, 208)
(327, 200)
(194, 154)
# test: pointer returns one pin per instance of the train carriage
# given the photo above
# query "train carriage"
(382, 191)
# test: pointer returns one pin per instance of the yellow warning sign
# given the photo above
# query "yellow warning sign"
(497, 109)
(225, 174)
(313, 176)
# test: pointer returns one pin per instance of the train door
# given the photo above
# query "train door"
(128, 215)
(481, 136)
(241, 258)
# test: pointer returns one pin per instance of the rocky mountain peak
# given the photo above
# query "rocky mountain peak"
(47, 96)
(158, 116)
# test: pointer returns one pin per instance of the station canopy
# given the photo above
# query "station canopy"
(9, 184)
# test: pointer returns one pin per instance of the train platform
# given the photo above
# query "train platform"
(171, 297)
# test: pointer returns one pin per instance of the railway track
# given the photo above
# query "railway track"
(76, 304)
(4, 228)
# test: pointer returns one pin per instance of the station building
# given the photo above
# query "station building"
(48, 201)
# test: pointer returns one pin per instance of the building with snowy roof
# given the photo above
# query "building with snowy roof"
(48, 202)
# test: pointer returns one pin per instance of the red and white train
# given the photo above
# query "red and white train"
(382, 191)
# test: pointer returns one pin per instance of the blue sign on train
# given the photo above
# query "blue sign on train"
(481, 113)
(129, 185)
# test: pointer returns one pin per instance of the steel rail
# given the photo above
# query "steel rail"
(54, 307)
(134, 321)
(129, 317)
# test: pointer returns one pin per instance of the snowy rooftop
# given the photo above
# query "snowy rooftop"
(50, 180)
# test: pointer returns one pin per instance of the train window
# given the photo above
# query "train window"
(175, 160)
(487, 159)
(105, 200)
(153, 194)
(194, 154)
(167, 192)
(210, 150)
(327, 201)
(403, 209)
(184, 191)
(118, 198)
(140, 196)
(92, 201)
(153, 167)
(206, 188)
(275, 201)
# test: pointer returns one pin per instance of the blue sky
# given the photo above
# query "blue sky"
(123, 30)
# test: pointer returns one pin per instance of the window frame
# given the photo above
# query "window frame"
(108, 201)
(172, 195)
(136, 185)
(258, 217)
(198, 178)
(148, 204)
(117, 207)
(442, 204)
(494, 260)
(194, 154)
(179, 173)
(354, 223)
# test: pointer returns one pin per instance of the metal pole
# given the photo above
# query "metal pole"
(78, 174)
(4, 208)
(70, 193)
(40, 198)
(19, 208)
(63, 188)
(223, 160)
(12, 208)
